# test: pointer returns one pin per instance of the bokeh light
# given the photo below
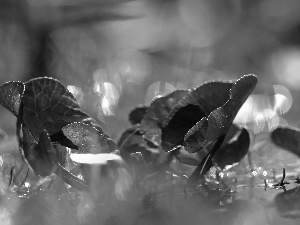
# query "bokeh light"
(285, 65)
(77, 93)
(264, 111)
(157, 89)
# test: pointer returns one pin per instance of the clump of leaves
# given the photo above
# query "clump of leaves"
(191, 125)
(49, 119)
(187, 125)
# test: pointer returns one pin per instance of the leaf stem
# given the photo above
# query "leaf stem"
(206, 163)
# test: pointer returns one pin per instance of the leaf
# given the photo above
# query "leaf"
(235, 150)
(110, 142)
(194, 106)
(42, 157)
(137, 114)
(86, 138)
(131, 141)
(195, 138)
(157, 112)
(287, 138)
(47, 104)
(208, 96)
(11, 94)
(220, 120)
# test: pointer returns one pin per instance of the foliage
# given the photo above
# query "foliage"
(178, 146)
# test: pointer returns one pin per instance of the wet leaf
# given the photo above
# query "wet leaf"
(157, 112)
(137, 114)
(287, 138)
(219, 121)
(234, 150)
(110, 142)
(47, 104)
(86, 138)
(11, 94)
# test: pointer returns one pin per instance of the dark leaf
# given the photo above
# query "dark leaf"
(195, 105)
(220, 120)
(208, 96)
(287, 138)
(86, 138)
(42, 157)
(231, 133)
(234, 150)
(194, 159)
(11, 94)
(157, 113)
(132, 141)
(63, 140)
(137, 114)
(185, 118)
(26, 140)
(47, 104)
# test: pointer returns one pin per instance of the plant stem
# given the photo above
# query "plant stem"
(206, 163)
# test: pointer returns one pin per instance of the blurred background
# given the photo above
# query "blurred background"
(116, 54)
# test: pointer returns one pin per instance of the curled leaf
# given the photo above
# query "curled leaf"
(208, 96)
(156, 114)
(220, 120)
(234, 150)
(191, 109)
(287, 138)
